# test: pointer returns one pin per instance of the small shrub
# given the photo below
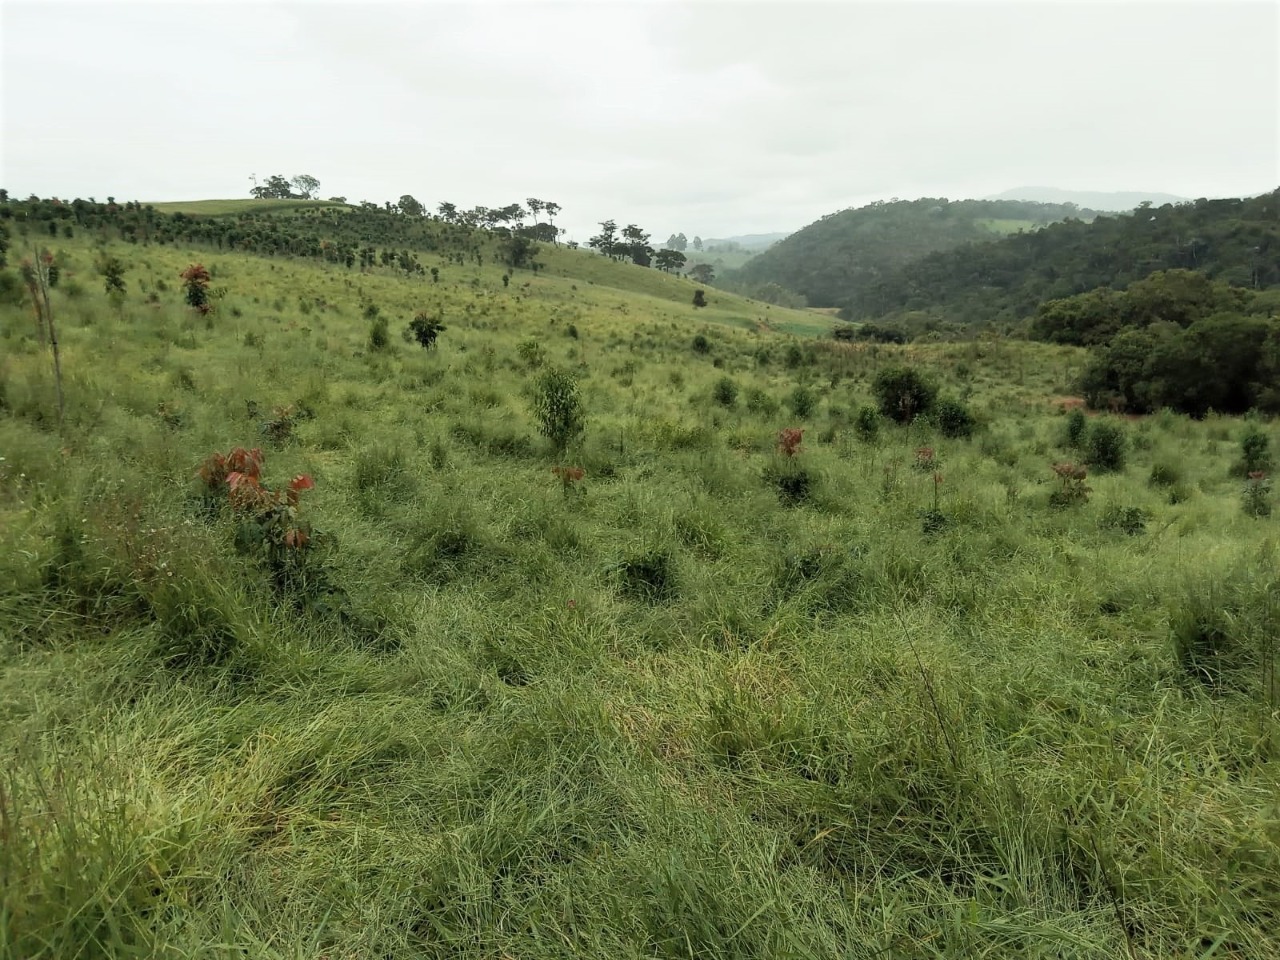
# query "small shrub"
(802, 402)
(1073, 489)
(954, 419)
(1257, 495)
(379, 333)
(195, 284)
(1077, 426)
(1164, 474)
(760, 402)
(1105, 446)
(789, 441)
(904, 394)
(279, 427)
(1255, 452)
(725, 392)
(867, 423)
(531, 353)
(557, 406)
(1127, 520)
(425, 329)
(701, 344)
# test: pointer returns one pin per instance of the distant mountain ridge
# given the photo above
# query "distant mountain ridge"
(1115, 201)
(830, 259)
(749, 241)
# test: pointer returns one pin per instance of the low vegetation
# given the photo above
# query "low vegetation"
(608, 626)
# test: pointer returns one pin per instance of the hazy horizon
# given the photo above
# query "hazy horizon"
(707, 118)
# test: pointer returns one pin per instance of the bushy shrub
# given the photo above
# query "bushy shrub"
(1128, 520)
(1105, 446)
(426, 329)
(867, 422)
(1164, 474)
(1077, 426)
(1073, 490)
(904, 394)
(760, 402)
(725, 392)
(802, 402)
(379, 335)
(954, 419)
(1257, 495)
(701, 344)
(1255, 452)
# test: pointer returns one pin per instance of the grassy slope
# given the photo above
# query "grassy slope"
(837, 736)
(219, 208)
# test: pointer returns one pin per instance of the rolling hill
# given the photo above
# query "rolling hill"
(830, 259)
(1237, 241)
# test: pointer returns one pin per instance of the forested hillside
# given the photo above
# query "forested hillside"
(1236, 241)
(844, 252)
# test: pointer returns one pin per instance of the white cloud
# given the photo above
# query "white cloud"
(710, 118)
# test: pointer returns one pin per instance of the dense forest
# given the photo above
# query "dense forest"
(1175, 339)
(843, 252)
(1236, 241)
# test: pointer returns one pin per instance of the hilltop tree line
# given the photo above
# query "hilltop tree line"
(1236, 241)
(278, 187)
(364, 236)
(632, 243)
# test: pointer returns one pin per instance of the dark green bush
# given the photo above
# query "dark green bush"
(904, 394)
(1128, 520)
(1105, 446)
(802, 402)
(1077, 426)
(725, 392)
(1255, 452)
(701, 344)
(954, 419)
(867, 422)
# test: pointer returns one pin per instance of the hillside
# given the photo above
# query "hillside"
(1115, 201)
(223, 208)
(1236, 241)
(368, 240)
(843, 252)
(597, 629)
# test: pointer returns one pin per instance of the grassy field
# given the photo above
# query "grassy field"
(222, 208)
(878, 699)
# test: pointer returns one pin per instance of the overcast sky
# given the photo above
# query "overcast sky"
(703, 117)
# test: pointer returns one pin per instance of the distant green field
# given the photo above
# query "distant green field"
(219, 208)
(1005, 227)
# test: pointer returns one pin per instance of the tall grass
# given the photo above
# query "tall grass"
(664, 713)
